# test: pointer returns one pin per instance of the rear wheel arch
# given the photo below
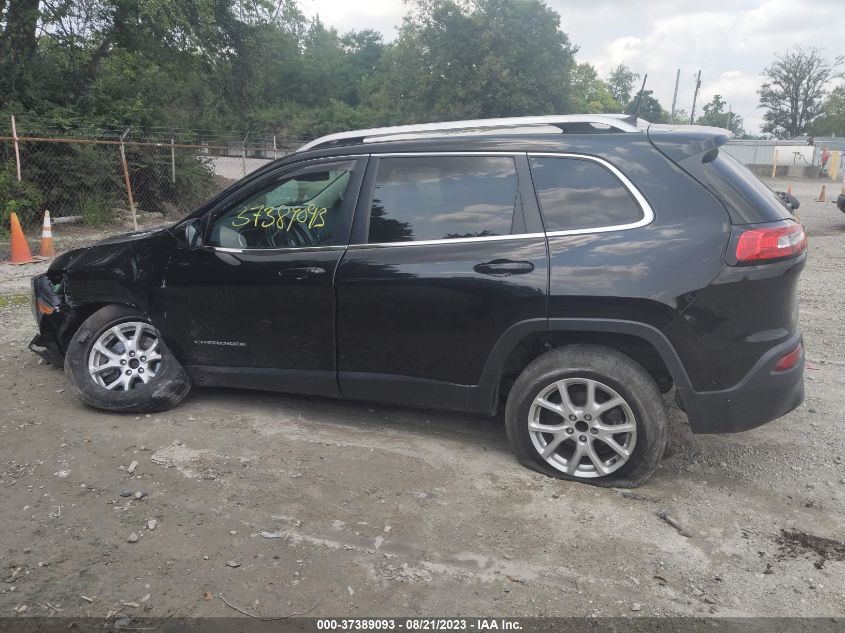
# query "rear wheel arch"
(642, 342)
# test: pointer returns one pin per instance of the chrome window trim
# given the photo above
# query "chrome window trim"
(645, 207)
(456, 240)
(303, 249)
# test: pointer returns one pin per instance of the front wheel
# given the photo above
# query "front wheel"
(587, 413)
(118, 361)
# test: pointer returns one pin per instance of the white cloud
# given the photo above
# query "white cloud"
(345, 15)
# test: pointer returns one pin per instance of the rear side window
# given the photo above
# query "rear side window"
(443, 197)
(746, 197)
(577, 193)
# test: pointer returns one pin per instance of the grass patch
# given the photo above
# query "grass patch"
(7, 301)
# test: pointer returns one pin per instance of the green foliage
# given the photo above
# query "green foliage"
(65, 171)
(715, 115)
(150, 170)
(23, 198)
(650, 108)
(458, 59)
(620, 83)
(589, 94)
(832, 119)
(94, 209)
(793, 90)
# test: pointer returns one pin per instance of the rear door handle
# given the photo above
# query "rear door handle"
(503, 267)
(302, 272)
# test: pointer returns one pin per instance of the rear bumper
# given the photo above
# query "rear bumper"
(761, 396)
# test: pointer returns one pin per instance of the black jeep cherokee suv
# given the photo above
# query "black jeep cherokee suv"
(570, 267)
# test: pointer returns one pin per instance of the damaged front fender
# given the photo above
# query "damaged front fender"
(125, 270)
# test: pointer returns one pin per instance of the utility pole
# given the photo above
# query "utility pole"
(730, 115)
(675, 96)
(694, 98)
(640, 96)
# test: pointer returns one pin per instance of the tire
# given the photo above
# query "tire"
(166, 388)
(612, 376)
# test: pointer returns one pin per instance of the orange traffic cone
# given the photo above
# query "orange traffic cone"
(47, 249)
(789, 190)
(20, 249)
(821, 197)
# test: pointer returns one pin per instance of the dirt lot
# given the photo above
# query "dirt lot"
(285, 504)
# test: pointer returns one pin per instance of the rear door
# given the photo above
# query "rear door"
(447, 254)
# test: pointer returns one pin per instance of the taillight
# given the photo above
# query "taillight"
(757, 245)
(788, 361)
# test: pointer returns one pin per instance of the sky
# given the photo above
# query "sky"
(730, 41)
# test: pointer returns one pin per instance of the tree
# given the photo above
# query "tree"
(458, 59)
(831, 121)
(793, 90)
(650, 108)
(716, 116)
(681, 117)
(17, 47)
(621, 82)
(589, 94)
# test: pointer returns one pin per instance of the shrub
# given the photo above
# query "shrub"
(23, 198)
(152, 184)
(95, 209)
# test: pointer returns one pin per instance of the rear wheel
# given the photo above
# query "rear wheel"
(587, 413)
(118, 361)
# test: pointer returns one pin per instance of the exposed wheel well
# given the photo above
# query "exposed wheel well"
(538, 343)
(77, 317)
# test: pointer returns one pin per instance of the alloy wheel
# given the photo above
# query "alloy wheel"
(582, 427)
(125, 357)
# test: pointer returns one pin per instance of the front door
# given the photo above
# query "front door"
(447, 255)
(254, 306)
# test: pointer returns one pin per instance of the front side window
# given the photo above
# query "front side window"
(576, 193)
(298, 211)
(443, 197)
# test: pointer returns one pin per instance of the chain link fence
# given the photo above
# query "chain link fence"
(94, 179)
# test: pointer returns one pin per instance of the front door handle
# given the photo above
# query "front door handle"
(503, 267)
(302, 272)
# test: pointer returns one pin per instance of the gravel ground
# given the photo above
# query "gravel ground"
(286, 504)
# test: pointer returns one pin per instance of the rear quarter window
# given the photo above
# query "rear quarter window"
(746, 197)
(580, 194)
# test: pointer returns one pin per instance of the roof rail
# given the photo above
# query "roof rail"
(564, 122)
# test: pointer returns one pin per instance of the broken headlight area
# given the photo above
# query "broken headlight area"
(48, 307)
(47, 297)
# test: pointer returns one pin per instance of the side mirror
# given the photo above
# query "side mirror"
(193, 236)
